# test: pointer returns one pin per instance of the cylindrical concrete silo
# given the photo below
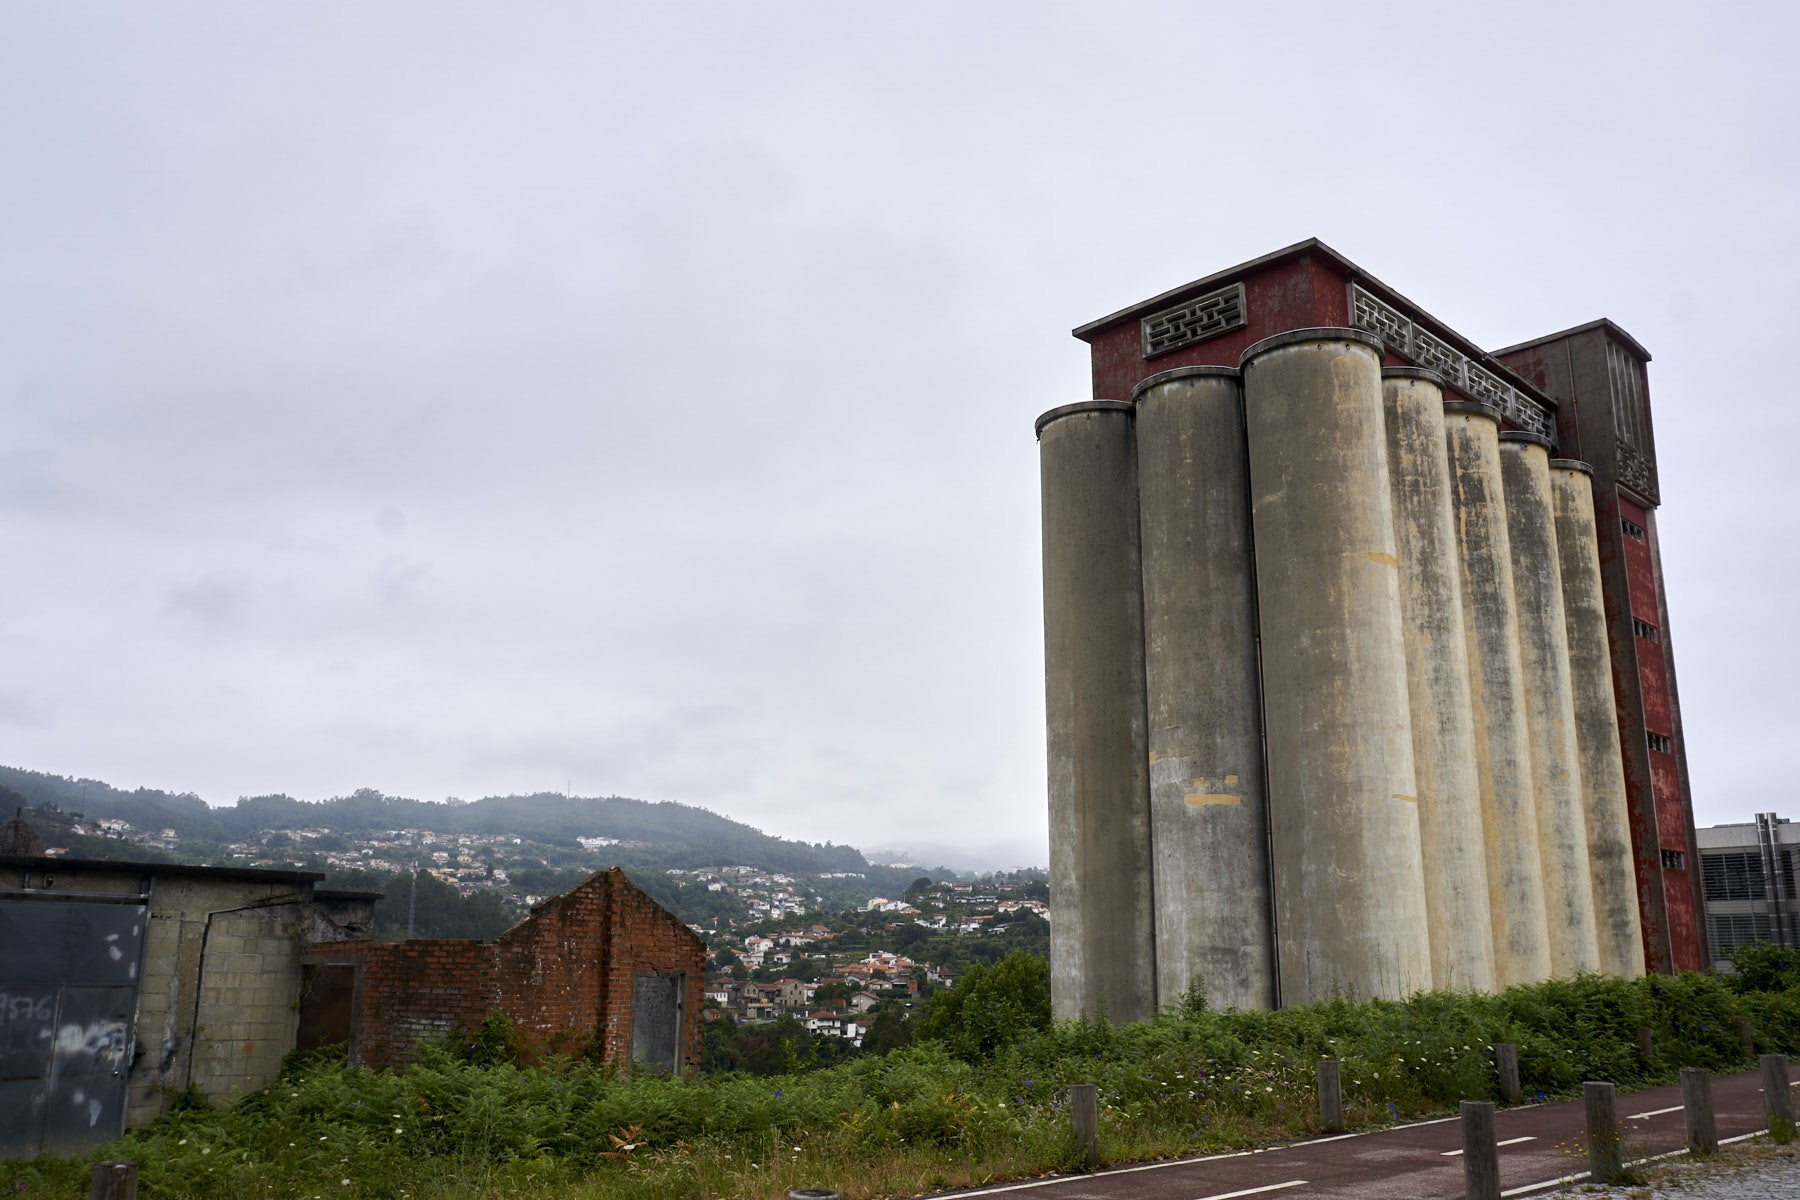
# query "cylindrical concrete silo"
(1102, 948)
(1437, 672)
(1610, 864)
(1497, 698)
(1348, 882)
(1208, 825)
(1549, 703)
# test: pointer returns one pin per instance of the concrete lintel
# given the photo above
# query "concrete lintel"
(1317, 333)
(1194, 372)
(1473, 408)
(1420, 373)
(1080, 406)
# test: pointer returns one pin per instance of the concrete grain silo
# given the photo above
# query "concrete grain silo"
(1208, 827)
(1497, 696)
(1344, 823)
(1618, 930)
(1341, 694)
(1549, 703)
(1102, 951)
(1437, 671)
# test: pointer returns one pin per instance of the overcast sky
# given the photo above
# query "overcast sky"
(460, 399)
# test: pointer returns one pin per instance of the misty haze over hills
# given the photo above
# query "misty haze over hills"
(685, 835)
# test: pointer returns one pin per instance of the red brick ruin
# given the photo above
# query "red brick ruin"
(600, 969)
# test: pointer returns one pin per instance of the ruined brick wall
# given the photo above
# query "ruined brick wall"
(565, 976)
(549, 968)
(413, 991)
(647, 939)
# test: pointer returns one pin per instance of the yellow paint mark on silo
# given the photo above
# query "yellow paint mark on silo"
(1377, 556)
(1203, 799)
(1405, 797)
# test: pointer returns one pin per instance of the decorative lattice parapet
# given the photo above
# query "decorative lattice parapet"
(1398, 332)
(1194, 320)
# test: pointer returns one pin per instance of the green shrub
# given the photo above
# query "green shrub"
(984, 1097)
(990, 1007)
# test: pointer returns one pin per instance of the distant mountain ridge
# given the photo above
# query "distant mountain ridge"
(687, 835)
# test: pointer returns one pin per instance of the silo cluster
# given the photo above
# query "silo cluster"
(1329, 697)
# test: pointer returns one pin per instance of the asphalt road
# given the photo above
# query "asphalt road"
(1541, 1146)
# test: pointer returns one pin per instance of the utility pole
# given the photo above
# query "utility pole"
(412, 901)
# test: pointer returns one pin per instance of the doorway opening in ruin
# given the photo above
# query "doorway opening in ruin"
(327, 1006)
(656, 1021)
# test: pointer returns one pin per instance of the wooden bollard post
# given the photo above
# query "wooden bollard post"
(1697, 1112)
(1506, 1066)
(1084, 1113)
(1331, 1096)
(1605, 1163)
(1747, 1035)
(1778, 1100)
(1646, 1044)
(1481, 1157)
(113, 1181)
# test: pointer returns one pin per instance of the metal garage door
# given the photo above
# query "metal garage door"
(68, 999)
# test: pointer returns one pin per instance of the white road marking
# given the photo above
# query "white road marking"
(1273, 1187)
(1507, 1142)
(1636, 1162)
(1655, 1112)
(1155, 1166)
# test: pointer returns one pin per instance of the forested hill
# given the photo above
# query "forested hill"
(680, 834)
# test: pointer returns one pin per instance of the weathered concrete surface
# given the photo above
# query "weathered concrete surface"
(1437, 675)
(1549, 703)
(1208, 824)
(1616, 922)
(1348, 880)
(1102, 942)
(1496, 695)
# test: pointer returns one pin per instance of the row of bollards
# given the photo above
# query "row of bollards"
(1481, 1155)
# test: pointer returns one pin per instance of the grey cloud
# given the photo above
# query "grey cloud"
(215, 603)
(643, 396)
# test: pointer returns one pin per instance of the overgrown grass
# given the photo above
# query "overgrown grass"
(919, 1119)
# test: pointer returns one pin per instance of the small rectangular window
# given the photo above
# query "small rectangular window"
(1662, 743)
(1632, 528)
(1645, 629)
(1674, 860)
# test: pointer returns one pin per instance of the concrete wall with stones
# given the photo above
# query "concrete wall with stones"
(221, 982)
(221, 964)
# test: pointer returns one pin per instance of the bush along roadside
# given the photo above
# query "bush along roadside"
(982, 1097)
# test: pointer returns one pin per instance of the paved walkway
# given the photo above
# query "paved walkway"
(1542, 1146)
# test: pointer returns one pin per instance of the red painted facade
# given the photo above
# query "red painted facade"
(1576, 376)
(565, 977)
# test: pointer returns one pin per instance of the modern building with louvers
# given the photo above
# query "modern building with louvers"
(1747, 872)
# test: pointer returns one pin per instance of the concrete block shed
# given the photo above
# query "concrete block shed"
(123, 984)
